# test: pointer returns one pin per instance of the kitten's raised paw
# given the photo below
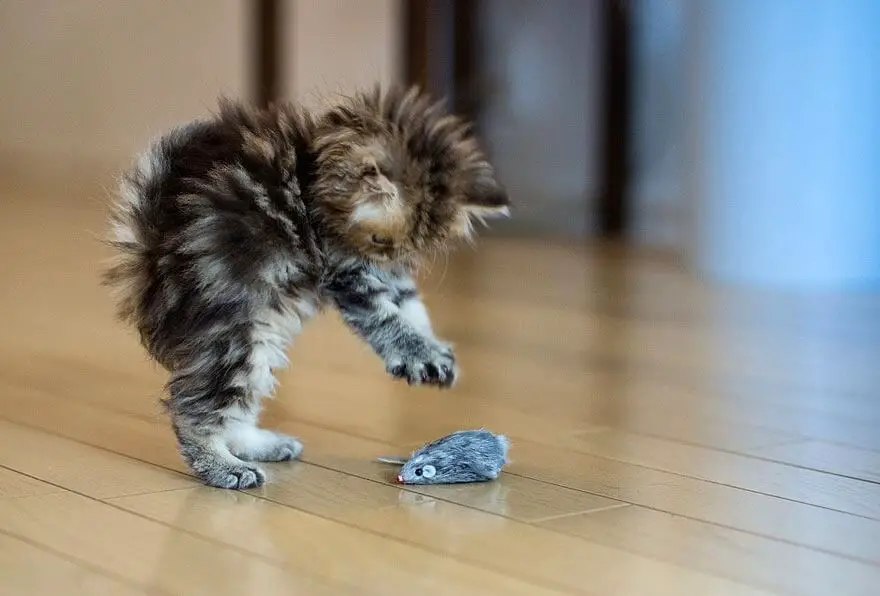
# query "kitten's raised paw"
(437, 367)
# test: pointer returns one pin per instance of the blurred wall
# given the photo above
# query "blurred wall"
(659, 99)
(85, 83)
(336, 46)
(542, 108)
(757, 138)
(785, 129)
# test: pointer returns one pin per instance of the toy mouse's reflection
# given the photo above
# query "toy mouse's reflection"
(457, 500)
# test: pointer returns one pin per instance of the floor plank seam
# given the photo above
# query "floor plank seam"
(527, 579)
(690, 477)
(541, 520)
(816, 470)
(85, 564)
(710, 522)
(721, 525)
(746, 489)
(109, 501)
(300, 460)
(678, 382)
(680, 474)
(59, 435)
(606, 458)
(868, 561)
(374, 439)
(747, 452)
(155, 418)
(627, 503)
(59, 491)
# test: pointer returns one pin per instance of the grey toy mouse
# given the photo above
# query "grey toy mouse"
(463, 456)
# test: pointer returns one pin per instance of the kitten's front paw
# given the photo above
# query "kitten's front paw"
(436, 366)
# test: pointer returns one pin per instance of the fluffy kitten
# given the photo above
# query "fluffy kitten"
(232, 231)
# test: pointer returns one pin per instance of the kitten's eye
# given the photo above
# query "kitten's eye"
(382, 240)
(429, 471)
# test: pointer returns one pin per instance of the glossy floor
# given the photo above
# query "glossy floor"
(667, 438)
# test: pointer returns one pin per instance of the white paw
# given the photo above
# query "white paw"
(271, 447)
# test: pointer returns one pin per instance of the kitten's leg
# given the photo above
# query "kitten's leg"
(272, 333)
(388, 314)
(205, 451)
(249, 442)
(215, 400)
(411, 307)
(206, 414)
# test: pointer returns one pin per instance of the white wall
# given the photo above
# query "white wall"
(84, 84)
(786, 161)
(541, 119)
(659, 99)
(89, 82)
(337, 46)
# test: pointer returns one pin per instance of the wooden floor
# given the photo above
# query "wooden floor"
(667, 439)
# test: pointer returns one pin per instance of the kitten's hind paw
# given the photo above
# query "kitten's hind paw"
(214, 464)
(233, 476)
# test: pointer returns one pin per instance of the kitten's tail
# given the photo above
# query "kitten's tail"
(132, 233)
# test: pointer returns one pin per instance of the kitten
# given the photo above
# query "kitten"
(231, 232)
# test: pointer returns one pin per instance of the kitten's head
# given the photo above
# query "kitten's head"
(398, 178)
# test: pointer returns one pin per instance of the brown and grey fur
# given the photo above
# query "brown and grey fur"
(231, 232)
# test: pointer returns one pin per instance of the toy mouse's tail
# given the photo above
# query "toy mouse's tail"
(397, 461)
(505, 446)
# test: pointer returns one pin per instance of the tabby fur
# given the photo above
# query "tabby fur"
(232, 231)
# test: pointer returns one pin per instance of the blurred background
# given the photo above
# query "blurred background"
(740, 137)
(679, 328)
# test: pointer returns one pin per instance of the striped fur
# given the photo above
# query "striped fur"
(231, 232)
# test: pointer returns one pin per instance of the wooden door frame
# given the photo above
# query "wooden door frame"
(613, 206)
(266, 50)
(439, 50)
(440, 54)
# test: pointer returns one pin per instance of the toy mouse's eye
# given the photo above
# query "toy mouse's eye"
(429, 471)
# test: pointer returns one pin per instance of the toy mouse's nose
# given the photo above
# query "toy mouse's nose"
(400, 478)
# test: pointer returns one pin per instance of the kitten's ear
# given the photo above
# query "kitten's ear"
(486, 197)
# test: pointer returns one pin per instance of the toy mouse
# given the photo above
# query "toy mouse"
(463, 456)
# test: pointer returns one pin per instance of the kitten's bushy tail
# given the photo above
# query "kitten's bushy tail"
(132, 233)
